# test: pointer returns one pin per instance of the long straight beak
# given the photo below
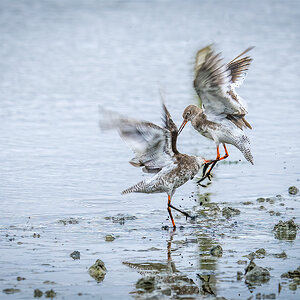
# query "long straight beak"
(182, 126)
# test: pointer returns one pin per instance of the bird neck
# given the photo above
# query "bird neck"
(174, 135)
(199, 119)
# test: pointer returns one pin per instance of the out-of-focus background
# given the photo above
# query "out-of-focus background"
(61, 176)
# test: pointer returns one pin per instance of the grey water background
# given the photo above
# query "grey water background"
(59, 61)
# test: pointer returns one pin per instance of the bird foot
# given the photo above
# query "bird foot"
(208, 173)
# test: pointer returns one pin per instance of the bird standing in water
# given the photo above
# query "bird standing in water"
(155, 150)
(222, 116)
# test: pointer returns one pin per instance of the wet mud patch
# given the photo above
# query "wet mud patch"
(229, 212)
(205, 257)
(69, 221)
(10, 291)
(162, 280)
(286, 230)
(120, 218)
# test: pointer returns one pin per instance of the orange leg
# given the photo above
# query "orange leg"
(218, 153)
(169, 211)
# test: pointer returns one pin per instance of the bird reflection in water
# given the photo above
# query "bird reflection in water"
(163, 279)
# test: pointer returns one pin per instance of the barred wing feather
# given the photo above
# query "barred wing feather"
(215, 82)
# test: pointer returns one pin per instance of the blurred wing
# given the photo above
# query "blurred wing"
(171, 127)
(167, 120)
(166, 117)
(215, 82)
(150, 143)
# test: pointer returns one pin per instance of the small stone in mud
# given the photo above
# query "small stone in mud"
(293, 286)
(37, 293)
(146, 283)
(75, 255)
(285, 230)
(49, 282)
(216, 251)
(260, 199)
(229, 212)
(247, 203)
(260, 253)
(241, 262)
(50, 294)
(109, 238)
(269, 296)
(257, 275)
(19, 278)
(68, 221)
(270, 200)
(280, 255)
(36, 235)
(11, 291)
(120, 218)
(165, 227)
(98, 270)
(262, 208)
(293, 190)
(265, 296)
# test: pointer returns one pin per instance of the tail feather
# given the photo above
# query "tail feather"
(248, 155)
(137, 188)
(244, 147)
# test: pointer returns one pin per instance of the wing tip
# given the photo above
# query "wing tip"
(202, 54)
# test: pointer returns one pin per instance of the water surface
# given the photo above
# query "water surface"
(59, 61)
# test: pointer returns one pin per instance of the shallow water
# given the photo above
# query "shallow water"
(59, 61)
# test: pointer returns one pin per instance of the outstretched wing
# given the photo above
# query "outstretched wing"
(168, 122)
(215, 84)
(171, 127)
(151, 144)
(239, 67)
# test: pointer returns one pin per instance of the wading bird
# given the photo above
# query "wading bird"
(156, 152)
(222, 116)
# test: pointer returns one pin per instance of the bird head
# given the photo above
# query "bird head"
(188, 115)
